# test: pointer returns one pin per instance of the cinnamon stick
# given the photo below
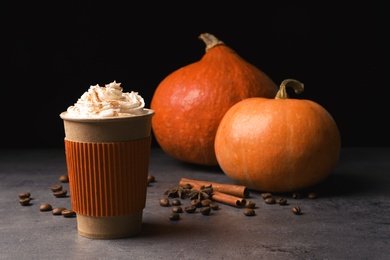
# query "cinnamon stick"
(228, 199)
(231, 189)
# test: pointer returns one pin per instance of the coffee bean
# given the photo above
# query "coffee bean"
(45, 207)
(266, 195)
(249, 212)
(206, 202)
(58, 211)
(186, 186)
(164, 202)
(25, 201)
(176, 202)
(205, 210)
(151, 179)
(68, 213)
(64, 178)
(196, 202)
(177, 209)
(296, 210)
(270, 200)
(214, 206)
(281, 201)
(174, 216)
(60, 194)
(56, 187)
(312, 195)
(250, 204)
(24, 195)
(296, 195)
(190, 209)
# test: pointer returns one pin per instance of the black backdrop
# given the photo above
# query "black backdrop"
(53, 53)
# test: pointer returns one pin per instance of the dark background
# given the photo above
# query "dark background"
(53, 53)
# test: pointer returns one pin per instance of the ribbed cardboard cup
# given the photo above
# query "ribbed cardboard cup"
(108, 163)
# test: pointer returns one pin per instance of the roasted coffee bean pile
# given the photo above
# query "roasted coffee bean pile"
(24, 198)
(199, 199)
(268, 199)
(174, 198)
(206, 205)
(58, 191)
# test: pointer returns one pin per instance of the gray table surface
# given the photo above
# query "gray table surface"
(349, 220)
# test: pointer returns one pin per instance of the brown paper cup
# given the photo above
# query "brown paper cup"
(108, 162)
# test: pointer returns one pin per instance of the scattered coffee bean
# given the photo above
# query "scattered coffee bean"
(281, 201)
(25, 201)
(176, 202)
(174, 216)
(296, 210)
(205, 210)
(60, 194)
(68, 213)
(206, 202)
(24, 195)
(249, 212)
(296, 195)
(266, 195)
(177, 209)
(58, 211)
(190, 209)
(250, 204)
(312, 195)
(270, 200)
(186, 186)
(196, 202)
(151, 179)
(164, 202)
(45, 207)
(214, 206)
(64, 178)
(56, 187)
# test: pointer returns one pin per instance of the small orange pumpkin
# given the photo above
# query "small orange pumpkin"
(190, 102)
(278, 145)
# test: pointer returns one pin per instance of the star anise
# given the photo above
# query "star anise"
(172, 192)
(176, 192)
(203, 193)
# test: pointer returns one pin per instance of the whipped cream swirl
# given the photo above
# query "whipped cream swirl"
(108, 101)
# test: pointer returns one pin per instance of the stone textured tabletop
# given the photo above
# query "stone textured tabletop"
(350, 219)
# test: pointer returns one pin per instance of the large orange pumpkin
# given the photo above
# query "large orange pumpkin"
(190, 102)
(278, 145)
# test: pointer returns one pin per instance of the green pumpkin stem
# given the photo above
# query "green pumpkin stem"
(292, 83)
(210, 40)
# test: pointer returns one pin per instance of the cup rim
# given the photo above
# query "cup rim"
(144, 112)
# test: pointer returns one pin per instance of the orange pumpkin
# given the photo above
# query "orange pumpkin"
(278, 145)
(190, 102)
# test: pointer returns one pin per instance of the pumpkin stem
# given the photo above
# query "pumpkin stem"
(210, 41)
(292, 83)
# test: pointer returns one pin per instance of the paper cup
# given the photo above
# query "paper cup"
(108, 163)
